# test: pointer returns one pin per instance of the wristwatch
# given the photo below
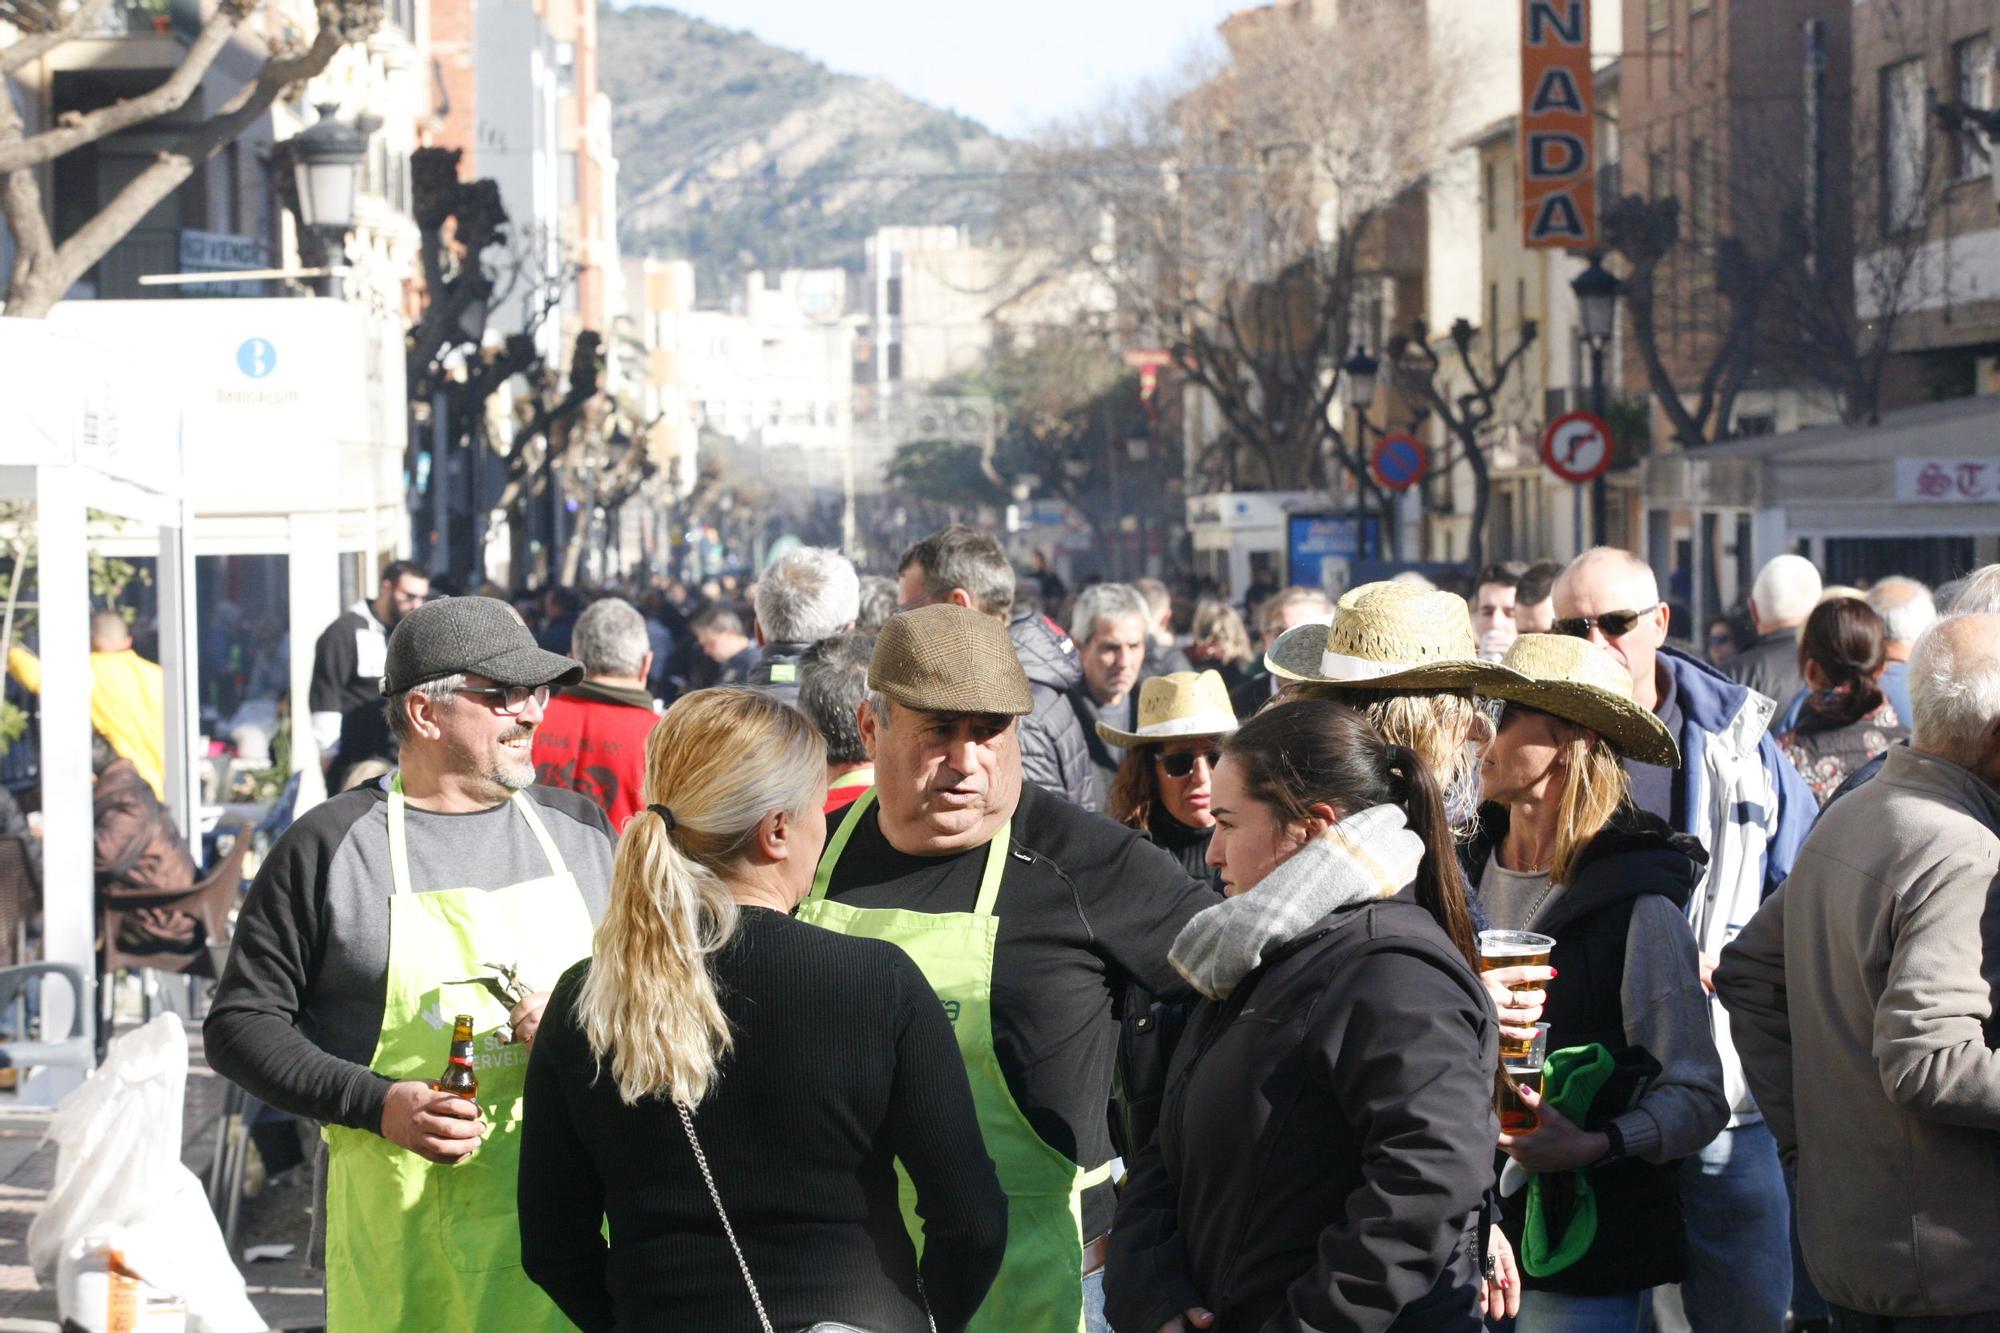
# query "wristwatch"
(1616, 1138)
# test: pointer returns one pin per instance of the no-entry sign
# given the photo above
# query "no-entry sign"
(1577, 447)
(1399, 462)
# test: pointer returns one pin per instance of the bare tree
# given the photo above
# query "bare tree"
(45, 270)
(1244, 218)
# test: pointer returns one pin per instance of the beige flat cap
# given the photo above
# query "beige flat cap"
(949, 659)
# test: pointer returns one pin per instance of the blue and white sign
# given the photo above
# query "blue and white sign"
(1313, 539)
(257, 357)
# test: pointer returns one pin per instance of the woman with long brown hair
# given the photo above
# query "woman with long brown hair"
(1846, 719)
(1562, 852)
(1327, 1133)
(732, 1088)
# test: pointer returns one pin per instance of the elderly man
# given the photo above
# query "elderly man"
(1862, 997)
(593, 736)
(1279, 614)
(966, 567)
(379, 916)
(1110, 619)
(833, 684)
(1027, 915)
(1786, 591)
(1751, 809)
(1907, 610)
(805, 595)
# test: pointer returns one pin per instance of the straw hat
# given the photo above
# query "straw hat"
(1577, 681)
(1181, 703)
(949, 659)
(1389, 636)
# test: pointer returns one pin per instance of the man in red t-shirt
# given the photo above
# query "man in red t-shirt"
(833, 681)
(593, 735)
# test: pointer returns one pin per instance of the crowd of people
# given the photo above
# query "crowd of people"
(943, 950)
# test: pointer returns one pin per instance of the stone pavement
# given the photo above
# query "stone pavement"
(284, 1292)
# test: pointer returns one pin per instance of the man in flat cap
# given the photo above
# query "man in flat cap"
(460, 889)
(1027, 915)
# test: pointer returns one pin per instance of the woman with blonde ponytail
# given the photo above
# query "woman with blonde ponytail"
(807, 1065)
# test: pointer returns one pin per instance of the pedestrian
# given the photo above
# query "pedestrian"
(139, 856)
(805, 595)
(1328, 1130)
(714, 1043)
(1495, 596)
(719, 630)
(1163, 654)
(1787, 589)
(1027, 915)
(1562, 852)
(1744, 800)
(1221, 644)
(346, 692)
(593, 734)
(1534, 598)
(1907, 610)
(1112, 619)
(561, 605)
(365, 932)
(1719, 646)
(1163, 785)
(1846, 720)
(877, 604)
(966, 567)
(127, 695)
(1050, 583)
(833, 684)
(1861, 996)
(1278, 615)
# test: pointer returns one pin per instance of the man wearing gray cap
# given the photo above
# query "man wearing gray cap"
(382, 914)
(1027, 915)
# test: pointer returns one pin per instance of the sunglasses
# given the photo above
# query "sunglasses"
(1181, 763)
(1615, 624)
(509, 700)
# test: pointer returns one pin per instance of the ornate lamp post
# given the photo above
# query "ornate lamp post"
(1597, 313)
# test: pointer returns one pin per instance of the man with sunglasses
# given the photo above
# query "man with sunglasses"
(1746, 802)
(461, 888)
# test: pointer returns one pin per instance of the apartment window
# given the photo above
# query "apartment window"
(892, 299)
(1698, 6)
(1659, 174)
(895, 360)
(1520, 301)
(1701, 190)
(1904, 116)
(1492, 205)
(1972, 73)
(1657, 14)
(1493, 308)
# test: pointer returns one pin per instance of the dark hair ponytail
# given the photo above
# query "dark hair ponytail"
(1307, 752)
(1844, 638)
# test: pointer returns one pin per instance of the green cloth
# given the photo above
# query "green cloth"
(1570, 1083)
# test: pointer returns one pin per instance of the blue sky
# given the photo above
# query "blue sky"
(1009, 66)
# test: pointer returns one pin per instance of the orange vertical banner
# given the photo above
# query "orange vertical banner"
(1558, 144)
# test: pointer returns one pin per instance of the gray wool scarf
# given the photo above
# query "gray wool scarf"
(1368, 856)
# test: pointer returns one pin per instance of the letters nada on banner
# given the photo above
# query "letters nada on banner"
(1558, 127)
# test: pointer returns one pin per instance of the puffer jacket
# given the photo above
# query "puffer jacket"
(1054, 752)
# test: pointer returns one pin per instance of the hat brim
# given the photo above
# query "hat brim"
(1127, 739)
(529, 666)
(1634, 731)
(1298, 652)
(1017, 705)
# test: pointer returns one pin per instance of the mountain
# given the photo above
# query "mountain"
(740, 155)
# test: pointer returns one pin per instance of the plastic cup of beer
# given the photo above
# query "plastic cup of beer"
(1514, 948)
(1516, 1116)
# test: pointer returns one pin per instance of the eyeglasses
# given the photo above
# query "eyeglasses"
(1181, 763)
(1615, 624)
(509, 700)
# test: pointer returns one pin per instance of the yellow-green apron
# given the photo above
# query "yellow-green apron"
(411, 1244)
(1040, 1285)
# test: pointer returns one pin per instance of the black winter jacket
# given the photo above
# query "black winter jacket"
(1054, 753)
(1325, 1144)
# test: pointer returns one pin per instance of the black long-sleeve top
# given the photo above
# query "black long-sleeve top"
(843, 1062)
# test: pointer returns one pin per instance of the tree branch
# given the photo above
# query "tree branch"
(30, 49)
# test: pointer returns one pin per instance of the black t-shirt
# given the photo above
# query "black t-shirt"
(1085, 906)
(1654, 788)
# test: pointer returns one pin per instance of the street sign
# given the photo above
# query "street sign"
(221, 252)
(1399, 462)
(1577, 447)
(1558, 127)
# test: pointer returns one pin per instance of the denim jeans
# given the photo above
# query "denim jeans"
(1093, 1304)
(1555, 1312)
(1739, 1234)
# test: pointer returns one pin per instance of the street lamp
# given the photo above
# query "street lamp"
(1597, 312)
(1363, 371)
(327, 170)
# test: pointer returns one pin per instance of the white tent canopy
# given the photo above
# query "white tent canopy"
(83, 430)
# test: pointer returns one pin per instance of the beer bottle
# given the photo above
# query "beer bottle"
(459, 1076)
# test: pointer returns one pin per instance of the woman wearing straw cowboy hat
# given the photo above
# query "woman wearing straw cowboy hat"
(1563, 852)
(1162, 784)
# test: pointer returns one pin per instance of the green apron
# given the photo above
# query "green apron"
(1040, 1284)
(411, 1244)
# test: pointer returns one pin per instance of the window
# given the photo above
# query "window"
(1520, 301)
(1657, 13)
(1904, 113)
(1701, 192)
(1493, 309)
(895, 360)
(893, 299)
(1972, 73)
(1492, 211)
(1659, 174)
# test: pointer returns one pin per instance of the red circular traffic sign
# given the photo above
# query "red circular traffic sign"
(1399, 462)
(1577, 447)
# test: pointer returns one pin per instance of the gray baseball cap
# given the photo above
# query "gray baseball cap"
(480, 635)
